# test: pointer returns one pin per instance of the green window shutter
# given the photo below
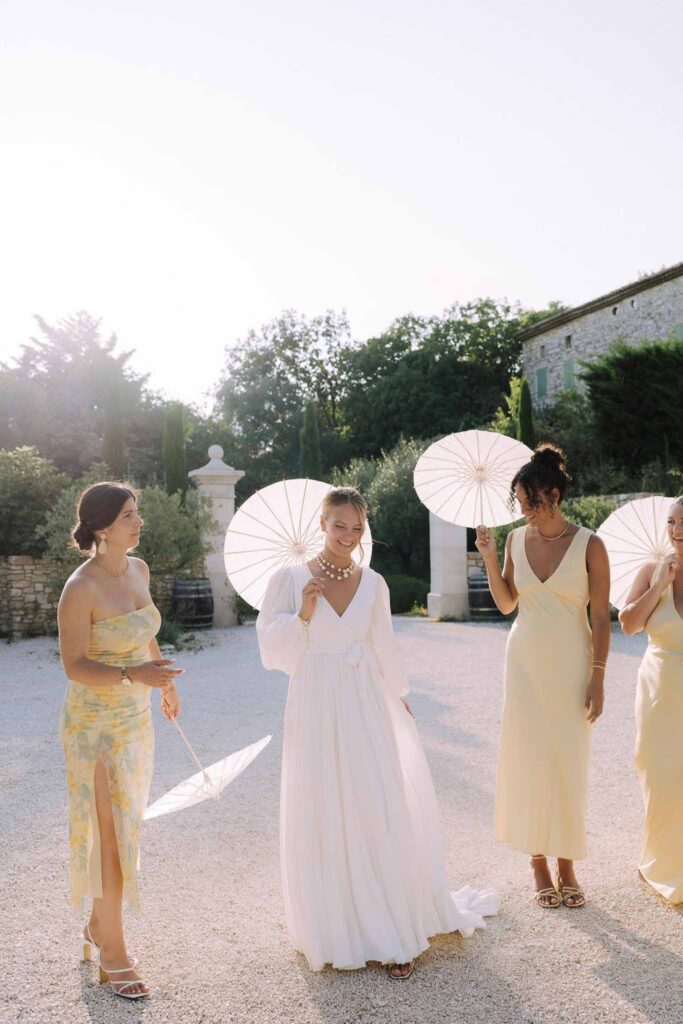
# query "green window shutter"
(542, 382)
(569, 378)
(678, 332)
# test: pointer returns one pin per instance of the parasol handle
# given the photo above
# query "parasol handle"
(189, 747)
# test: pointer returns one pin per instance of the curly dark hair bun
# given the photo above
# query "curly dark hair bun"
(545, 472)
(550, 455)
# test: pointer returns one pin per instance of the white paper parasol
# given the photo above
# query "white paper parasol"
(278, 526)
(635, 534)
(465, 478)
(208, 782)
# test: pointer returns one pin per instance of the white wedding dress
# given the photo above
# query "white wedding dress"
(360, 837)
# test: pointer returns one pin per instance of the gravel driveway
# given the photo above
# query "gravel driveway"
(212, 937)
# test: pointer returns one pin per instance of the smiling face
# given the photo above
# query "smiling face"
(674, 524)
(539, 514)
(343, 526)
(124, 532)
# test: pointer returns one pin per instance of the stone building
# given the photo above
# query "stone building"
(646, 310)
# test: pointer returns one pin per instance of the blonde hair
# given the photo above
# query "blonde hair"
(346, 496)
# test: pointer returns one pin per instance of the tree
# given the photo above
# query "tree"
(636, 396)
(525, 422)
(268, 379)
(62, 388)
(309, 442)
(173, 450)
(29, 488)
(113, 439)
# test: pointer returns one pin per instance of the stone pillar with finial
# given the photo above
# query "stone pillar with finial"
(217, 481)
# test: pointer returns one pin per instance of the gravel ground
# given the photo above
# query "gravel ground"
(212, 937)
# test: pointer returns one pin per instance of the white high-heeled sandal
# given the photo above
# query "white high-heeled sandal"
(121, 991)
(88, 944)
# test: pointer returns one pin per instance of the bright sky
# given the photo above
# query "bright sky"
(185, 171)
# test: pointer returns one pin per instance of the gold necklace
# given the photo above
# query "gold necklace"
(111, 571)
(331, 570)
(557, 535)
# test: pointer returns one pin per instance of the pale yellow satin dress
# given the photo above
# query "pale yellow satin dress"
(542, 780)
(113, 723)
(659, 749)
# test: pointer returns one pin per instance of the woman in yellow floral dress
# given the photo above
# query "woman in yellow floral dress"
(107, 629)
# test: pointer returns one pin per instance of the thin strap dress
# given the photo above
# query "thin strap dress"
(113, 723)
(542, 779)
(659, 750)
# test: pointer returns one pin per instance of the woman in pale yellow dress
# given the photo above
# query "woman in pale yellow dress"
(655, 604)
(554, 672)
(107, 626)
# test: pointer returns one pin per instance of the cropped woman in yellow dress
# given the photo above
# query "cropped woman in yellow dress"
(554, 670)
(107, 626)
(655, 604)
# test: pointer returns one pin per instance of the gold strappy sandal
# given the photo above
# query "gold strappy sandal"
(399, 977)
(572, 892)
(547, 899)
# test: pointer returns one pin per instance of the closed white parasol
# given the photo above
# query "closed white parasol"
(636, 533)
(208, 782)
(465, 478)
(278, 526)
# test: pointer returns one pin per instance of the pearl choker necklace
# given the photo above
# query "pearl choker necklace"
(332, 570)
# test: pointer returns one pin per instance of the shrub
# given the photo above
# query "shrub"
(399, 520)
(406, 592)
(588, 511)
(29, 488)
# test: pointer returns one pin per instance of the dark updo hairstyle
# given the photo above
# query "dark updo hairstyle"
(546, 470)
(97, 508)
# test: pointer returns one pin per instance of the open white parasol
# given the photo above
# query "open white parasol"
(636, 533)
(465, 478)
(208, 782)
(278, 526)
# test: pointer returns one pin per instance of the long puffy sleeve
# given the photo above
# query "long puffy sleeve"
(384, 644)
(281, 633)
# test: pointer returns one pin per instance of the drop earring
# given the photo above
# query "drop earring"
(102, 546)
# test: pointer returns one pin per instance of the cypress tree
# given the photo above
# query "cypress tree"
(113, 436)
(173, 450)
(309, 443)
(525, 422)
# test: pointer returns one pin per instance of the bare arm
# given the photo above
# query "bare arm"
(501, 585)
(75, 619)
(598, 585)
(643, 597)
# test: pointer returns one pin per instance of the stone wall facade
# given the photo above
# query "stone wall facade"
(645, 311)
(29, 595)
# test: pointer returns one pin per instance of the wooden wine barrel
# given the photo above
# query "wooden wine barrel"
(482, 606)
(192, 603)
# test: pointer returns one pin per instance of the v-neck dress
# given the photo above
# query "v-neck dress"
(114, 724)
(542, 780)
(659, 749)
(360, 838)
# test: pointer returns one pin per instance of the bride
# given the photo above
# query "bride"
(360, 837)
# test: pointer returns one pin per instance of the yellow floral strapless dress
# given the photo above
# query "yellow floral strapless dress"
(114, 724)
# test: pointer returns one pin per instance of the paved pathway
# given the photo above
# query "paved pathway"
(212, 938)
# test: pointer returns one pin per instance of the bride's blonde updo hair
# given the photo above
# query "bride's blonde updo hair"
(346, 496)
